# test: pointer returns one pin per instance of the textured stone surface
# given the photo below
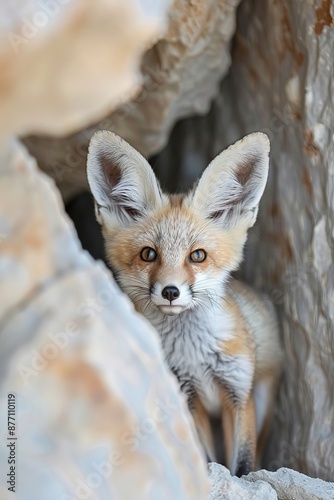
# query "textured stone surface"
(180, 78)
(285, 484)
(291, 485)
(227, 487)
(98, 413)
(64, 62)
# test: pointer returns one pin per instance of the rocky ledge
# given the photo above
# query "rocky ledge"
(284, 484)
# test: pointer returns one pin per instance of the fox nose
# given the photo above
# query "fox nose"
(170, 293)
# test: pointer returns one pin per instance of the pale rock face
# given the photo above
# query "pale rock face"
(291, 485)
(98, 414)
(181, 72)
(285, 484)
(227, 487)
(180, 76)
(84, 54)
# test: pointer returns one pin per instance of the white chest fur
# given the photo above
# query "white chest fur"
(192, 344)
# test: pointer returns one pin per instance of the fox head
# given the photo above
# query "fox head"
(175, 252)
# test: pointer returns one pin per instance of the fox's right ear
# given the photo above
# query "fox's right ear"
(122, 181)
(230, 189)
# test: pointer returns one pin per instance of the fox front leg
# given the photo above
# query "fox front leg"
(239, 429)
(199, 414)
(203, 427)
(233, 370)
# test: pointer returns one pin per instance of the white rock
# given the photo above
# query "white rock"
(226, 487)
(67, 63)
(291, 485)
(98, 414)
(285, 484)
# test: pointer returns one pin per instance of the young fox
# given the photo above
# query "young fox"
(173, 255)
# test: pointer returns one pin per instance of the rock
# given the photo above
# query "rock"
(64, 64)
(285, 484)
(181, 72)
(180, 77)
(291, 485)
(226, 487)
(98, 414)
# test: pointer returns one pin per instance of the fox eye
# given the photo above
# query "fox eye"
(148, 254)
(198, 256)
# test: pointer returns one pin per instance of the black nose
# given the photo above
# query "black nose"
(170, 293)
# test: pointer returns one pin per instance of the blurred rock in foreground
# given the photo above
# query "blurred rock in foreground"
(98, 415)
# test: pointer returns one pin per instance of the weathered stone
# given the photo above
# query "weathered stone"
(227, 487)
(180, 75)
(66, 63)
(98, 414)
(285, 484)
(291, 485)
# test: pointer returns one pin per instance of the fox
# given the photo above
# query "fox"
(174, 255)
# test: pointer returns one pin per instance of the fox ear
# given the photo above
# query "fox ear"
(121, 180)
(231, 187)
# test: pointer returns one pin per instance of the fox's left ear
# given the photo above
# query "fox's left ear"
(231, 187)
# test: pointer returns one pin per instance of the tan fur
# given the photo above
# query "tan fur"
(271, 380)
(203, 425)
(239, 421)
(258, 312)
(242, 341)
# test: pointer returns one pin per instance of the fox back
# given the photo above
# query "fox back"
(173, 255)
